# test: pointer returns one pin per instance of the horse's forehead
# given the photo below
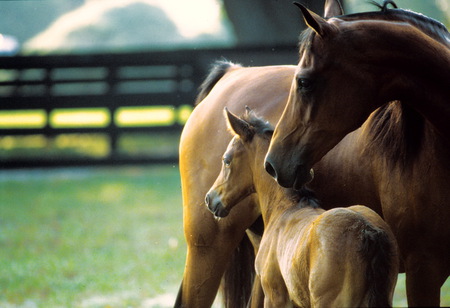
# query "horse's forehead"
(305, 62)
(321, 51)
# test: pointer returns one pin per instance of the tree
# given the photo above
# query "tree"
(267, 22)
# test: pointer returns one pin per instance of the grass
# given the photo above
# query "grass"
(93, 145)
(71, 236)
(96, 237)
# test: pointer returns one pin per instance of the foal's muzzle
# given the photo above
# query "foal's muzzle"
(215, 205)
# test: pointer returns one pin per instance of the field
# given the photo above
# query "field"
(90, 237)
(95, 237)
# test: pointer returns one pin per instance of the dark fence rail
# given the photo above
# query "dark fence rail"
(110, 83)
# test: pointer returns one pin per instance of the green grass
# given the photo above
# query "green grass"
(72, 236)
(73, 146)
(96, 237)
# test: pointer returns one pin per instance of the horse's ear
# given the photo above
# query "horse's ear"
(314, 21)
(333, 8)
(248, 110)
(238, 126)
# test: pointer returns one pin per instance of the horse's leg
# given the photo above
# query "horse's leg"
(425, 275)
(205, 265)
(210, 246)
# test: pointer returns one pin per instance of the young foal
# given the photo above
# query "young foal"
(307, 256)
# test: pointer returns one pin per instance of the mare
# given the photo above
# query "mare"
(308, 257)
(391, 77)
(215, 247)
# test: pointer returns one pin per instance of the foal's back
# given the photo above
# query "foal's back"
(355, 263)
(341, 257)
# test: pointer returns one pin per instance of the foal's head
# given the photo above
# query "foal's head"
(241, 163)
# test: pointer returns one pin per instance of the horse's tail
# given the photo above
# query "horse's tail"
(380, 254)
(218, 70)
(238, 277)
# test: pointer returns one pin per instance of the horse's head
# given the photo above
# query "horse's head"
(330, 96)
(236, 179)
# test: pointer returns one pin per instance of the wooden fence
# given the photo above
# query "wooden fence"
(108, 86)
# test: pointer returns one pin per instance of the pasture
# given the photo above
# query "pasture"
(96, 237)
(90, 237)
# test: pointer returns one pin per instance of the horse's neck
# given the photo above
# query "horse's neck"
(418, 74)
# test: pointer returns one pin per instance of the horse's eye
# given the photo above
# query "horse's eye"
(304, 84)
(226, 161)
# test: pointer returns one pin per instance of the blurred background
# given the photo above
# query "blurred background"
(94, 94)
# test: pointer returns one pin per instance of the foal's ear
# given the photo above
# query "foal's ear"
(314, 21)
(333, 8)
(238, 126)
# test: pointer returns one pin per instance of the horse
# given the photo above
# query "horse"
(215, 247)
(308, 257)
(390, 79)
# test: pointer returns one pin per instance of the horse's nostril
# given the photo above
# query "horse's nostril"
(270, 169)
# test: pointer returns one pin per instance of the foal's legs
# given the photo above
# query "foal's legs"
(257, 296)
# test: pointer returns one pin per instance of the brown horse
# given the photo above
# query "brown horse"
(348, 69)
(344, 257)
(212, 244)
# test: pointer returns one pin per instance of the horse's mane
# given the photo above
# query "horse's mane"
(397, 130)
(259, 125)
(395, 127)
(218, 70)
(428, 25)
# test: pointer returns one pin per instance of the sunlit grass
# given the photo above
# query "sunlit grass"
(30, 142)
(65, 118)
(64, 145)
(95, 117)
(145, 116)
(183, 113)
(27, 119)
(94, 145)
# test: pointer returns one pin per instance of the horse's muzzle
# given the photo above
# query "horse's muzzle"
(290, 177)
(215, 205)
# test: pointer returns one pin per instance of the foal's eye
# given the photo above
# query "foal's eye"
(304, 84)
(226, 161)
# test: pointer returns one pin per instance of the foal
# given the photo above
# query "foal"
(307, 256)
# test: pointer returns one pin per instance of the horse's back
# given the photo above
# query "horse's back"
(205, 137)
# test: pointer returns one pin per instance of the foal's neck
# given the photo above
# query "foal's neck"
(273, 199)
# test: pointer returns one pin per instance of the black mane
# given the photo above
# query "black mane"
(218, 70)
(259, 125)
(428, 25)
(397, 130)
